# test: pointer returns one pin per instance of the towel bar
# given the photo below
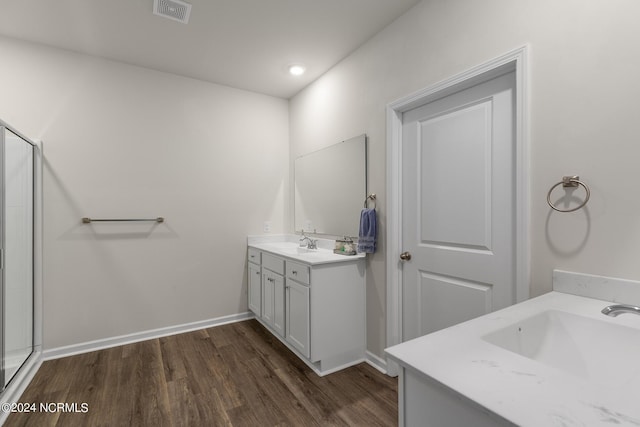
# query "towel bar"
(90, 220)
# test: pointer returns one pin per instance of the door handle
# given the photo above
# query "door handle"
(405, 256)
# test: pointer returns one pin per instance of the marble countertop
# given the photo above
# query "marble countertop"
(522, 390)
(287, 246)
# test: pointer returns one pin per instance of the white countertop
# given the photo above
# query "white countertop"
(519, 389)
(287, 246)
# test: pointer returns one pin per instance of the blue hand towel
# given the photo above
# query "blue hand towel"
(368, 231)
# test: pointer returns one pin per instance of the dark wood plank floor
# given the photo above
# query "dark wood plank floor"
(234, 375)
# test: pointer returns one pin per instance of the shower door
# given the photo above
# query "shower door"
(16, 260)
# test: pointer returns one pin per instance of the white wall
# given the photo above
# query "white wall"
(584, 90)
(122, 141)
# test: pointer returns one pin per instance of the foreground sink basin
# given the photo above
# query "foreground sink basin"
(598, 351)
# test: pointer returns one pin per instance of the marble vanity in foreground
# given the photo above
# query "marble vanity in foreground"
(554, 360)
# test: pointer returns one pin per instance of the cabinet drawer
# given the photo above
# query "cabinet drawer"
(254, 256)
(298, 272)
(273, 263)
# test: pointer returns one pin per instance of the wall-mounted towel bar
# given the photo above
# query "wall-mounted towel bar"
(90, 220)
(371, 196)
(569, 182)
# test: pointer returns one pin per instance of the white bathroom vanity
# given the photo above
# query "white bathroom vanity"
(311, 299)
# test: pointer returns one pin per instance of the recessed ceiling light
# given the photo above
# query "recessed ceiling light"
(296, 69)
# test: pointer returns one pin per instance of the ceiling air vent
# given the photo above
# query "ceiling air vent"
(172, 9)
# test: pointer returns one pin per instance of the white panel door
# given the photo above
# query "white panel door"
(458, 207)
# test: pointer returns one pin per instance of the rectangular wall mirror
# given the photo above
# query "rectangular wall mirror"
(331, 187)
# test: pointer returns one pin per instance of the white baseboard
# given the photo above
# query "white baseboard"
(86, 347)
(376, 361)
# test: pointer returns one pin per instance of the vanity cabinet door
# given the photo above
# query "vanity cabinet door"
(297, 317)
(255, 289)
(273, 301)
(278, 304)
(268, 288)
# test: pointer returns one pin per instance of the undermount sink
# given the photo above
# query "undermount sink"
(293, 249)
(598, 351)
(299, 250)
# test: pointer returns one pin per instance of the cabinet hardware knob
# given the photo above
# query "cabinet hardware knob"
(294, 272)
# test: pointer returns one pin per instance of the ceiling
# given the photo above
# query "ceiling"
(246, 44)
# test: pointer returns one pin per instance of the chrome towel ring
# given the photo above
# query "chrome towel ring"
(371, 196)
(569, 182)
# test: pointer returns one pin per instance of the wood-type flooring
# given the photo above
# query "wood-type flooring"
(230, 375)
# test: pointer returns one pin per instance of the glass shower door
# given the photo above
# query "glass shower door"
(16, 234)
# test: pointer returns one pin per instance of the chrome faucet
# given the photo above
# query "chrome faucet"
(617, 309)
(311, 244)
(302, 238)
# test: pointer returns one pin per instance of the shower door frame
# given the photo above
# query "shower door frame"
(27, 370)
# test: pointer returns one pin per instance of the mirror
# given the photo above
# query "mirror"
(330, 188)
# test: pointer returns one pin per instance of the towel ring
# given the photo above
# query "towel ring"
(569, 182)
(371, 196)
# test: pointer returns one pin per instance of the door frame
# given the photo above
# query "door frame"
(515, 60)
